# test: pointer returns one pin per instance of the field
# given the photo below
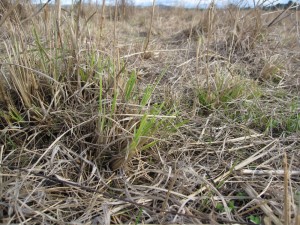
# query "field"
(126, 115)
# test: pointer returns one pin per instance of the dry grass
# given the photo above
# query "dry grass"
(191, 117)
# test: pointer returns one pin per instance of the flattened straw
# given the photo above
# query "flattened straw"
(264, 207)
(244, 163)
(286, 190)
(297, 201)
(269, 172)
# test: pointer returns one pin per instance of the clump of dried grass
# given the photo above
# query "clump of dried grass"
(246, 31)
(18, 11)
(91, 132)
(205, 26)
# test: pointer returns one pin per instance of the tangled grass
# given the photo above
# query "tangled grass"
(170, 116)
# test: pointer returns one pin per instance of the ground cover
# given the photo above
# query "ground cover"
(153, 116)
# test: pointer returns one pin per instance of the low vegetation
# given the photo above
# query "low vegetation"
(149, 115)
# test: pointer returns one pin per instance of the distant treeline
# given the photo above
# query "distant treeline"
(295, 6)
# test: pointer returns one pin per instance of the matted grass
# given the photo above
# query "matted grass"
(192, 117)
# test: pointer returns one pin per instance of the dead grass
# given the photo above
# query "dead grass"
(205, 129)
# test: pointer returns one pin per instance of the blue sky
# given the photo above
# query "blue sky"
(185, 3)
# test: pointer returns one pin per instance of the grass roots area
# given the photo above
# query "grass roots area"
(124, 115)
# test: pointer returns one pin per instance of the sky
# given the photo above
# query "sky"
(175, 2)
(149, 2)
(184, 3)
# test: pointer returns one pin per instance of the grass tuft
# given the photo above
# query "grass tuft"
(126, 115)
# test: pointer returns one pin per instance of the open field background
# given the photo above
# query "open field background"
(149, 115)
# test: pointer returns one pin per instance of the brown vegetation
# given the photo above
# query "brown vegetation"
(189, 117)
(19, 11)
